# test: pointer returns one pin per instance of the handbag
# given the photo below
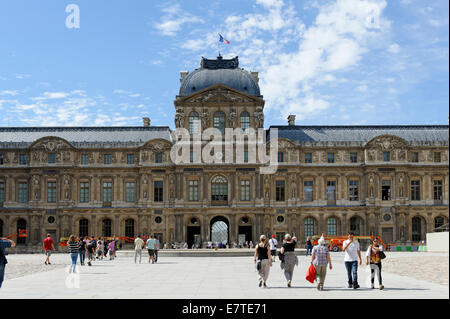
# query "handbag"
(258, 265)
(382, 255)
(281, 256)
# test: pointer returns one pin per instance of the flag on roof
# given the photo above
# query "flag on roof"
(222, 39)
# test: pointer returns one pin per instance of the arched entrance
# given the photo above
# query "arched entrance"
(220, 230)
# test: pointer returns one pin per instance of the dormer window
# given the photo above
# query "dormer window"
(219, 121)
(51, 158)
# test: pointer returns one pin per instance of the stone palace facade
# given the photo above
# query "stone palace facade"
(390, 181)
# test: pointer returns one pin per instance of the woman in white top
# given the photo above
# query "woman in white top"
(373, 258)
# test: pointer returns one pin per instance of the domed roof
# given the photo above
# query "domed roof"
(219, 71)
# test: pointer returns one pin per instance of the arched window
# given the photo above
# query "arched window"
(331, 226)
(129, 227)
(193, 123)
(21, 225)
(245, 121)
(438, 222)
(219, 121)
(219, 190)
(83, 227)
(309, 227)
(106, 227)
(355, 226)
(416, 229)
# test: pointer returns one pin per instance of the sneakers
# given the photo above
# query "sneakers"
(355, 286)
(318, 287)
(265, 286)
(381, 287)
(350, 285)
(289, 283)
(260, 283)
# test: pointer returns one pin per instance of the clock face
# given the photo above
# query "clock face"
(387, 217)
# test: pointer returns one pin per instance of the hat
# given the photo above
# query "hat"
(321, 240)
(273, 236)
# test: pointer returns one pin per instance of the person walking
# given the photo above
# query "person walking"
(320, 258)
(352, 253)
(112, 249)
(157, 246)
(263, 260)
(138, 243)
(82, 250)
(100, 248)
(290, 260)
(309, 246)
(273, 247)
(373, 258)
(73, 247)
(4, 243)
(151, 249)
(90, 248)
(48, 245)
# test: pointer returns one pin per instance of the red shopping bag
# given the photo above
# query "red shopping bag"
(311, 274)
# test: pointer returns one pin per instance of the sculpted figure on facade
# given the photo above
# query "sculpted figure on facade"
(259, 117)
(179, 118)
(205, 118)
(232, 118)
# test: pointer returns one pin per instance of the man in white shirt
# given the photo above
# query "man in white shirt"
(273, 247)
(352, 253)
(138, 243)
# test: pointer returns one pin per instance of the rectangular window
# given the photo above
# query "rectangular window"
(51, 158)
(2, 192)
(245, 190)
(385, 190)
(331, 190)
(107, 192)
(245, 156)
(308, 191)
(279, 190)
(280, 157)
(437, 157)
(308, 157)
(84, 159)
(415, 190)
(51, 192)
(437, 190)
(158, 158)
(23, 159)
(353, 157)
(130, 159)
(158, 191)
(330, 157)
(193, 190)
(107, 159)
(23, 192)
(415, 157)
(84, 192)
(191, 157)
(353, 190)
(130, 190)
(2, 159)
(386, 156)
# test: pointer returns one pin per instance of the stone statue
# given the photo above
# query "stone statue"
(179, 117)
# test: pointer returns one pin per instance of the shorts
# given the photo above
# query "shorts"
(48, 253)
(151, 252)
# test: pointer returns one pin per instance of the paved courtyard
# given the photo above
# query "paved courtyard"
(195, 277)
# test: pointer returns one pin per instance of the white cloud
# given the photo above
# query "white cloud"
(174, 18)
(51, 96)
(9, 92)
(394, 48)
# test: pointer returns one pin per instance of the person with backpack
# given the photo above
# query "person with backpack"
(4, 243)
(374, 255)
(263, 260)
(273, 247)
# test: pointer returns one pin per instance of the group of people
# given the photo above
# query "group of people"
(265, 254)
(152, 244)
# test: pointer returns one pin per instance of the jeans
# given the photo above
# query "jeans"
(156, 255)
(2, 274)
(74, 257)
(137, 252)
(308, 248)
(352, 268)
(82, 256)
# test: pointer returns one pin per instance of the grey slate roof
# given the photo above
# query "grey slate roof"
(413, 134)
(219, 71)
(84, 137)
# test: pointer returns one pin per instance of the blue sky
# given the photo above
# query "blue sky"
(330, 62)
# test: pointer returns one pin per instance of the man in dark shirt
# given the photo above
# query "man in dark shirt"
(4, 243)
